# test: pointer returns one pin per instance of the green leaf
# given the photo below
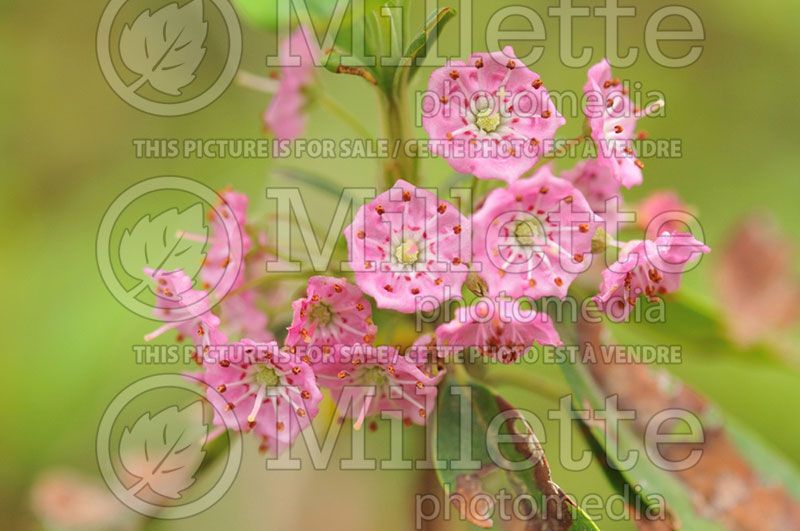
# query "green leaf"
(419, 46)
(699, 328)
(332, 59)
(773, 467)
(159, 243)
(484, 408)
(319, 182)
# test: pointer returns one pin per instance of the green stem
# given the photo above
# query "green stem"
(343, 114)
(397, 130)
(474, 198)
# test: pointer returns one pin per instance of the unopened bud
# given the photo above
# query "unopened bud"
(476, 284)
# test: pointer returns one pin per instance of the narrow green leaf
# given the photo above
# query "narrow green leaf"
(772, 466)
(332, 59)
(420, 44)
(319, 182)
(699, 329)
(653, 482)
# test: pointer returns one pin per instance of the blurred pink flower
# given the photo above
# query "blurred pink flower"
(229, 242)
(500, 328)
(650, 267)
(405, 245)
(532, 237)
(286, 115)
(63, 499)
(757, 283)
(667, 209)
(494, 105)
(272, 392)
(333, 312)
(612, 118)
(380, 379)
(241, 317)
(225, 266)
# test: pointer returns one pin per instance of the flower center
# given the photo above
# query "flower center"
(321, 314)
(486, 117)
(407, 253)
(374, 376)
(488, 122)
(266, 376)
(527, 232)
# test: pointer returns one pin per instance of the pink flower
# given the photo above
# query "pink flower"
(501, 328)
(533, 237)
(229, 242)
(650, 268)
(286, 115)
(664, 208)
(224, 268)
(407, 245)
(612, 118)
(241, 317)
(63, 499)
(333, 312)
(598, 186)
(271, 392)
(186, 310)
(757, 283)
(377, 379)
(489, 117)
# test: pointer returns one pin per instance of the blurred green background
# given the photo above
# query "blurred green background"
(67, 152)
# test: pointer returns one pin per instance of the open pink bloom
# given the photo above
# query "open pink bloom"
(333, 312)
(666, 209)
(408, 244)
(271, 392)
(599, 187)
(490, 116)
(286, 115)
(186, 310)
(377, 379)
(500, 328)
(229, 242)
(650, 268)
(612, 117)
(532, 237)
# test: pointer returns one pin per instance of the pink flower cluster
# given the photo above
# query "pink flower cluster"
(274, 391)
(411, 251)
